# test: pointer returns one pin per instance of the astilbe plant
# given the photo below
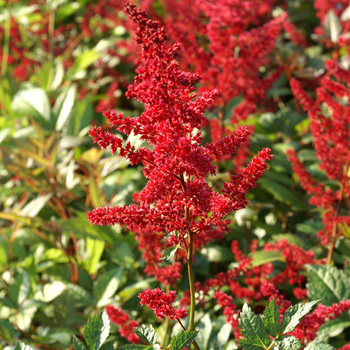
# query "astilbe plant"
(232, 45)
(177, 201)
(330, 123)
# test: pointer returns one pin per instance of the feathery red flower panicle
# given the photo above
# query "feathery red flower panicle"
(177, 164)
(330, 125)
(120, 318)
(160, 303)
(177, 198)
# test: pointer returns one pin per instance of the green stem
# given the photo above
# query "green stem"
(6, 46)
(51, 33)
(191, 279)
(191, 282)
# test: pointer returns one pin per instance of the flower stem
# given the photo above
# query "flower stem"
(191, 282)
(191, 279)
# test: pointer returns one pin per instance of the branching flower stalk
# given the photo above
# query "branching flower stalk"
(177, 197)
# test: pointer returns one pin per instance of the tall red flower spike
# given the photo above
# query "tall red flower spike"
(177, 197)
(330, 122)
(177, 202)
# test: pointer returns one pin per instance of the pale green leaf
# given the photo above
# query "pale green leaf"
(320, 347)
(106, 286)
(63, 107)
(22, 346)
(287, 343)
(262, 257)
(32, 102)
(146, 334)
(169, 253)
(33, 208)
(94, 250)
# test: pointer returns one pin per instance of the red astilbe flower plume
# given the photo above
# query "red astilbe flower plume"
(160, 303)
(120, 318)
(177, 197)
(330, 125)
(306, 330)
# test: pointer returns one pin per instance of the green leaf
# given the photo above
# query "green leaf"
(320, 347)
(271, 318)
(292, 316)
(84, 60)
(147, 334)
(63, 107)
(183, 339)
(133, 347)
(248, 344)
(50, 291)
(287, 342)
(7, 331)
(261, 257)
(20, 290)
(106, 286)
(81, 296)
(78, 345)
(94, 250)
(33, 208)
(253, 328)
(97, 331)
(32, 102)
(328, 283)
(204, 327)
(22, 346)
(169, 253)
(282, 193)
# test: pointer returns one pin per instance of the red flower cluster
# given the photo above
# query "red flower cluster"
(230, 311)
(330, 124)
(309, 325)
(120, 318)
(160, 303)
(177, 197)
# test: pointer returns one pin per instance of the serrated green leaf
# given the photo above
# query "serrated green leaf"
(78, 345)
(147, 334)
(248, 344)
(252, 327)
(97, 331)
(271, 318)
(169, 253)
(133, 347)
(320, 347)
(328, 283)
(292, 316)
(287, 343)
(22, 346)
(183, 339)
